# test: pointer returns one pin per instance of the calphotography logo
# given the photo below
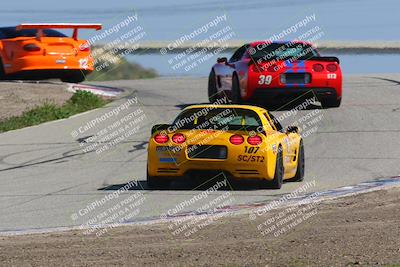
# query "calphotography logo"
(282, 215)
(122, 123)
(125, 35)
(110, 211)
(200, 211)
(188, 53)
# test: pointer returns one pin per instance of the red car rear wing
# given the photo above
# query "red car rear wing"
(74, 26)
(319, 58)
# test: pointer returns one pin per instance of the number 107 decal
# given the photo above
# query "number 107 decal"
(251, 149)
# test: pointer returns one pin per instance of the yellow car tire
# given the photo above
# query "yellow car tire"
(299, 176)
(277, 182)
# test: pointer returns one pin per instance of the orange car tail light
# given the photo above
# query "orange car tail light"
(178, 138)
(236, 139)
(161, 138)
(31, 47)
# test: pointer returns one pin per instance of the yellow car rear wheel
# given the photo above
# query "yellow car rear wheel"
(277, 182)
(299, 176)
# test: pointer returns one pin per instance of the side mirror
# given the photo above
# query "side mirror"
(292, 129)
(222, 60)
(159, 127)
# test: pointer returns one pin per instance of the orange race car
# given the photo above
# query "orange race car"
(37, 51)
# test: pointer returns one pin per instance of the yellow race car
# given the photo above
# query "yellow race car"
(243, 142)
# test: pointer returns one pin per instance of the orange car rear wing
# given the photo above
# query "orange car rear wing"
(74, 26)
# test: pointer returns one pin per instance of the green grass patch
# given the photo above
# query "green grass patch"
(81, 101)
(120, 69)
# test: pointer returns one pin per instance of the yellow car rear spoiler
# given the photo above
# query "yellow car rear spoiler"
(74, 26)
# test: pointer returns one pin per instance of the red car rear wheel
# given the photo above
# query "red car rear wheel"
(236, 97)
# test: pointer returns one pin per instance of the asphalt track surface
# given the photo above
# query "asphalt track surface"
(46, 178)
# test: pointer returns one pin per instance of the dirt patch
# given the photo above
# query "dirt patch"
(353, 231)
(15, 97)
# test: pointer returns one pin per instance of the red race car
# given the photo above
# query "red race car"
(264, 72)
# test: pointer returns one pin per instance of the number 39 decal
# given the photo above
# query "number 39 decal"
(265, 79)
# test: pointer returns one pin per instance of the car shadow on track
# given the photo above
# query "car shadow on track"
(192, 185)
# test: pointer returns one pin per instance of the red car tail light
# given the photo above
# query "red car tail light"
(31, 47)
(331, 67)
(236, 139)
(161, 138)
(178, 138)
(254, 140)
(318, 67)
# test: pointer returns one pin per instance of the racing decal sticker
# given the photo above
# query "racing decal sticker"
(274, 150)
(167, 148)
(61, 61)
(287, 141)
(168, 160)
(168, 154)
(84, 63)
(264, 79)
(289, 64)
(251, 149)
(250, 158)
(331, 76)
(301, 65)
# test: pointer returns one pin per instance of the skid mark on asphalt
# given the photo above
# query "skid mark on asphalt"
(388, 80)
(38, 144)
(4, 157)
(82, 140)
(44, 195)
(139, 146)
(65, 156)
